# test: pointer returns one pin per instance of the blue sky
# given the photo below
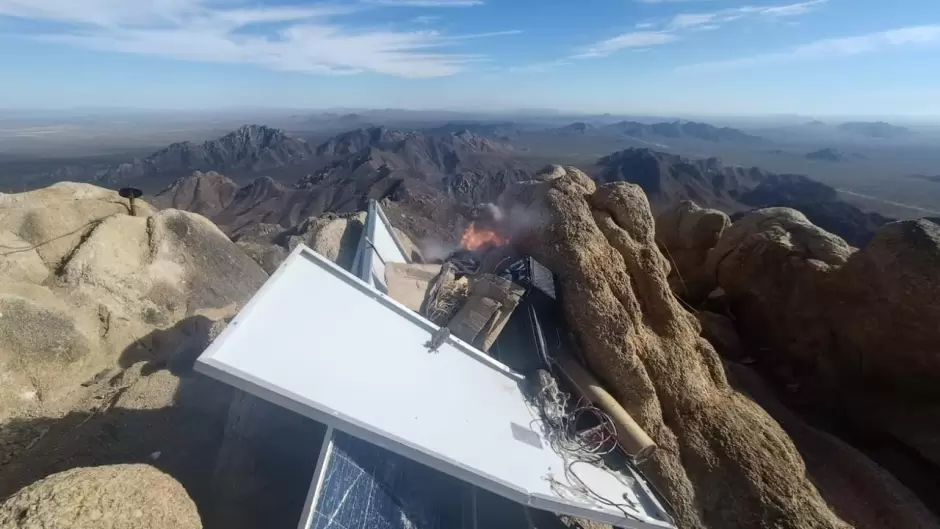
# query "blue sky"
(702, 57)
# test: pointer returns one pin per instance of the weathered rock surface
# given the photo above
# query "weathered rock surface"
(336, 237)
(859, 491)
(719, 330)
(885, 307)
(807, 295)
(853, 334)
(772, 264)
(100, 324)
(686, 233)
(107, 279)
(722, 462)
(107, 497)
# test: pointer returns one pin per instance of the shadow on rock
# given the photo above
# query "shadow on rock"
(175, 348)
(246, 463)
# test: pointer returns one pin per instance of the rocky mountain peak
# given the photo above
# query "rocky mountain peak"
(249, 148)
(359, 139)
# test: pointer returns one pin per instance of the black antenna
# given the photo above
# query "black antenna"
(131, 193)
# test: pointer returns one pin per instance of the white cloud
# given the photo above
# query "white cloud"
(830, 48)
(305, 38)
(644, 25)
(635, 39)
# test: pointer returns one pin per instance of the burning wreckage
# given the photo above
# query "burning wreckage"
(451, 392)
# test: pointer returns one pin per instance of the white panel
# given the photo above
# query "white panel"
(317, 482)
(318, 341)
(377, 247)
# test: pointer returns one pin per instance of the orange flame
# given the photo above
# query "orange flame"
(475, 238)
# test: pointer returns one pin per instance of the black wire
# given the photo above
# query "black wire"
(20, 249)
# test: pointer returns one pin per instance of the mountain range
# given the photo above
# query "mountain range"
(668, 179)
(249, 149)
(433, 182)
(664, 130)
(436, 178)
(874, 129)
(832, 155)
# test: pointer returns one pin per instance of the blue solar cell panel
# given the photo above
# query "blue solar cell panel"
(367, 487)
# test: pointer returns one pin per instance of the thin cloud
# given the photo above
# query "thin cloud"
(425, 19)
(829, 48)
(304, 39)
(689, 21)
(684, 23)
(792, 9)
(635, 39)
(503, 33)
(427, 3)
(540, 67)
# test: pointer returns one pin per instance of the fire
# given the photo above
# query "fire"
(476, 238)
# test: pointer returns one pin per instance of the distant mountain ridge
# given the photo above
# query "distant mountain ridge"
(874, 129)
(396, 140)
(432, 183)
(928, 178)
(669, 178)
(504, 131)
(435, 178)
(250, 148)
(666, 130)
(832, 155)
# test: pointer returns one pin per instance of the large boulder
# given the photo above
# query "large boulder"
(102, 316)
(885, 308)
(686, 233)
(333, 236)
(108, 497)
(852, 334)
(722, 462)
(842, 318)
(772, 263)
(96, 281)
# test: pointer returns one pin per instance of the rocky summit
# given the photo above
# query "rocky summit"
(752, 348)
(102, 315)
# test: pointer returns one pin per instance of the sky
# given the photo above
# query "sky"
(701, 57)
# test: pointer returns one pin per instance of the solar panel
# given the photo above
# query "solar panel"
(367, 487)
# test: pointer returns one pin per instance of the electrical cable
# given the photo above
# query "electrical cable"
(589, 446)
